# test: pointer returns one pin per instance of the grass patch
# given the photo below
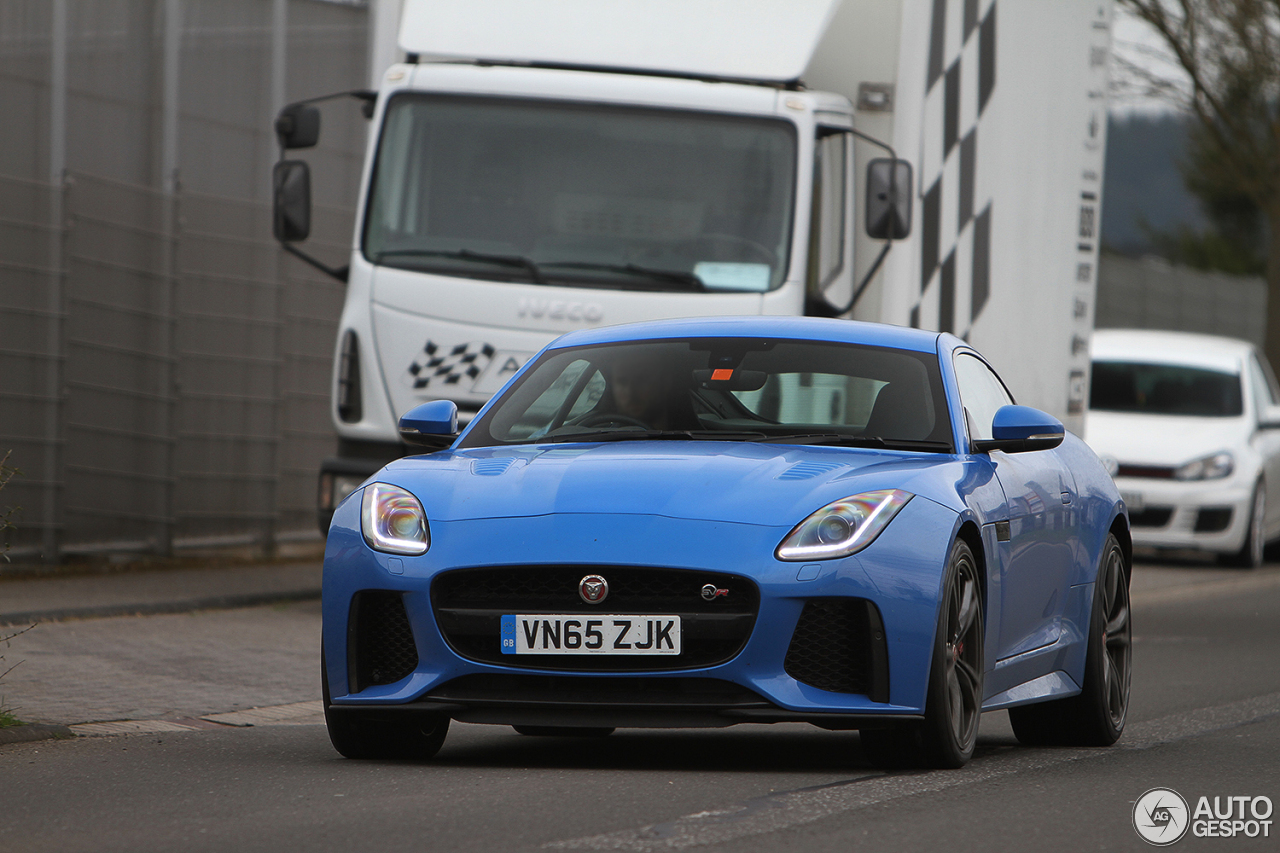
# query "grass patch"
(7, 719)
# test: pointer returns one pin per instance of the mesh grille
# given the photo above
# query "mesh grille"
(384, 650)
(832, 647)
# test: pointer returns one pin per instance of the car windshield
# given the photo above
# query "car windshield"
(725, 389)
(582, 195)
(1164, 389)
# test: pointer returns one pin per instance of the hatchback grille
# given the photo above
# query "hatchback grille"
(1153, 516)
(1149, 472)
(839, 645)
(469, 605)
(381, 648)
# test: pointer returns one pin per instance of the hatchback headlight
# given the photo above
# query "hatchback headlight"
(843, 527)
(1215, 466)
(392, 520)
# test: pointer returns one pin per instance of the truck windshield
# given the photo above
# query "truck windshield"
(585, 195)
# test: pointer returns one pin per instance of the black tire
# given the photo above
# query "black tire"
(565, 731)
(1253, 552)
(365, 734)
(953, 708)
(1096, 716)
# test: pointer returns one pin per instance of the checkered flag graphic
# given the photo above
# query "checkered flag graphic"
(955, 235)
(449, 368)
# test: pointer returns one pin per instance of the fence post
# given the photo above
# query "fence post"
(171, 225)
(51, 545)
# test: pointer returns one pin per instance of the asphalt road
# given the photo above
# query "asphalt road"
(1204, 721)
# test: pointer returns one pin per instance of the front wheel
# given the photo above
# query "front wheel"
(1096, 716)
(947, 736)
(1251, 554)
(360, 733)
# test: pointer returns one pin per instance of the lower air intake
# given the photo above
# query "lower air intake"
(839, 645)
(382, 651)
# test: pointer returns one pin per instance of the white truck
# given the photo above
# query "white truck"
(537, 166)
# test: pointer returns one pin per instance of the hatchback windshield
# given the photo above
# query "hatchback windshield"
(725, 389)
(591, 196)
(1164, 389)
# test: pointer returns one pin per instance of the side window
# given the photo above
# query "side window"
(829, 206)
(982, 394)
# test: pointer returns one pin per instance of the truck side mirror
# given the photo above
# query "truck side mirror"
(291, 203)
(888, 199)
(298, 126)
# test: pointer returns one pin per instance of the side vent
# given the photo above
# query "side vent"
(350, 409)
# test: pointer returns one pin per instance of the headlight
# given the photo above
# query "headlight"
(843, 527)
(392, 520)
(1215, 466)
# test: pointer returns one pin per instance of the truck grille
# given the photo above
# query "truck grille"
(839, 645)
(469, 605)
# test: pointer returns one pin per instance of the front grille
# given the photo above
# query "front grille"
(1149, 472)
(469, 605)
(839, 645)
(381, 648)
(1152, 516)
(1213, 519)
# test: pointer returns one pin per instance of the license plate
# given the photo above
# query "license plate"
(1132, 500)
(579, 634)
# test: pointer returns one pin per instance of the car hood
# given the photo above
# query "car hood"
(1162, 439)
(747, 483)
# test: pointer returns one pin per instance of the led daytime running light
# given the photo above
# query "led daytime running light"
(842, 527)
(392, 520)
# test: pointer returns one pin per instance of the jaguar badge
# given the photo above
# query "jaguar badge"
(593, 589)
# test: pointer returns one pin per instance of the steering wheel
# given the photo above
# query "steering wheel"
(760, 250)
(611, 418)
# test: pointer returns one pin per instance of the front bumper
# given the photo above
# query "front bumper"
(1197, 515)
(900, 575)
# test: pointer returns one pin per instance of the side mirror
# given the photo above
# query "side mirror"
(291, 201)
(298, 126)
(433, 424)
(888, 199)
(1018, 429)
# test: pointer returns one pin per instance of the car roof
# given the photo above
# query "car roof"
(1148, 346)
(794, 328)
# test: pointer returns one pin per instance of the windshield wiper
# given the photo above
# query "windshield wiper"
(688, 279)
(638, 434)
(467, 255)
(862, 441)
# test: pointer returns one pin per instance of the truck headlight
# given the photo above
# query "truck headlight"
(842, 527)
(1215, 466)
(392, 520)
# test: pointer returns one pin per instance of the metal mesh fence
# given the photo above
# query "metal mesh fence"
(164, 368)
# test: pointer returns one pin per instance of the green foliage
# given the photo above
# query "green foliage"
(7, 717)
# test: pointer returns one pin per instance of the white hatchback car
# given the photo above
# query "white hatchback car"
(1189, 426)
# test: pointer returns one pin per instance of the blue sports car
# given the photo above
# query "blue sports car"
(733, 520)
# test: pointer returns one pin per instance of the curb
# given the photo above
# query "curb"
(219, 602)
(33, 732)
